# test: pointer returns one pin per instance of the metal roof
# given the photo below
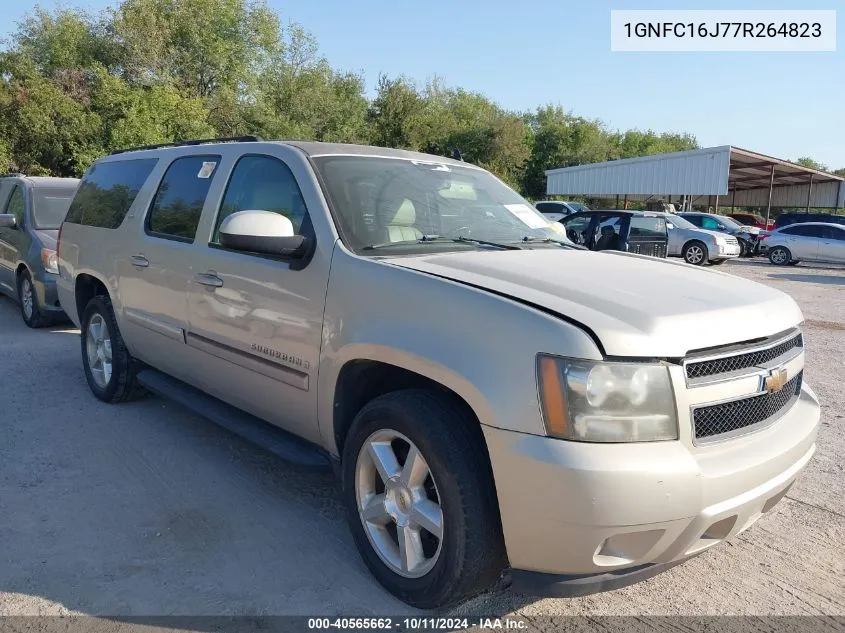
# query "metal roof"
(714, 171)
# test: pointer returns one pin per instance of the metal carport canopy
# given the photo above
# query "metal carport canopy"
(747, 178)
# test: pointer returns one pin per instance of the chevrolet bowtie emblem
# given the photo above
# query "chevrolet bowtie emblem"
(775, 381)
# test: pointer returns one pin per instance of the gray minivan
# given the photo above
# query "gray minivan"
(32, 209)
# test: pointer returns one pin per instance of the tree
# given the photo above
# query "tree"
(806, 161)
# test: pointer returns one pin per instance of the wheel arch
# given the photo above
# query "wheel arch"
(85, 288)
(361, 378)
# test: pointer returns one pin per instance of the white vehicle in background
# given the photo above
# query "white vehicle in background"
(698, 246)
(808, 241)
(556, 210)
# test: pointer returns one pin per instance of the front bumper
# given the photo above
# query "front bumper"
(580, 518)
(48, 296)
(728, 251)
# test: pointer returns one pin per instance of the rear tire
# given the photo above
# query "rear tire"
(695, 253)
(780, 256)
(28, 298)
(469, 555)
(109, 368)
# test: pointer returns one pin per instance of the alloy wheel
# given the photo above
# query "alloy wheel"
(779, 256)
(398, 503)
(695, 255)
(98, 350)
(27, 298)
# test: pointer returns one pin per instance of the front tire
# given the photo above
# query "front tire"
(695, 253)
(780, 256)
(30, 310)
(420, 499)
(109, 368)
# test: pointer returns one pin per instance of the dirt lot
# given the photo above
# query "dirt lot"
(143, 509)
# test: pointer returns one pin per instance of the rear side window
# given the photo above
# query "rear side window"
(545, 207)
(805, 231)
(177, 206)
(107, 191)
(834, 233)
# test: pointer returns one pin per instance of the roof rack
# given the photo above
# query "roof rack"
(13, 174)
(222, 139)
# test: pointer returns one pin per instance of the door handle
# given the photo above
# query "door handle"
(209, 280)
(140, 261)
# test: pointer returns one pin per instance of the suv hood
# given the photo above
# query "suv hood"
(635, 305)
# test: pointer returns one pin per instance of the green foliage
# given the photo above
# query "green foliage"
(75, 85)
(806, 161)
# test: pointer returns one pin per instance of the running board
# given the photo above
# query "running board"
(271, 438)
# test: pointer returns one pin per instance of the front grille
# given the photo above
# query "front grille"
(728, 364)
(729, 416)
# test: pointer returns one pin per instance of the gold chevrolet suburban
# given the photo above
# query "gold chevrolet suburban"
(494, 399)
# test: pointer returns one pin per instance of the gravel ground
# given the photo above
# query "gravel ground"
(143, 509)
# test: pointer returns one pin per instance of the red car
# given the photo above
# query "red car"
(752, 219)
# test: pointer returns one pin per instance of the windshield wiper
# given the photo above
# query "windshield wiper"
(426, 239)
(552, 240)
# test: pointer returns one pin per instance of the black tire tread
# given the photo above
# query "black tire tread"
(482, 557)
(124, 387)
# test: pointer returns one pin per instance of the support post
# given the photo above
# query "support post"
(617, 201)
(733, 199)
(810, 192)
(625, 202)
(717, 203)
(769, 204)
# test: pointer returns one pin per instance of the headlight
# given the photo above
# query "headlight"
(50, 261)
(595, 401)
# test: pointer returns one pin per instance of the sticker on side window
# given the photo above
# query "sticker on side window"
(527, 216)
(206, 170)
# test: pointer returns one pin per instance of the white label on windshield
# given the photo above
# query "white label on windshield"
(206, 170)
(527, 216)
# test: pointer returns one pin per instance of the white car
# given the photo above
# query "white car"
(808, 241)
(556, 210)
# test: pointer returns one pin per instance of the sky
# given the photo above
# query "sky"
(527, 53)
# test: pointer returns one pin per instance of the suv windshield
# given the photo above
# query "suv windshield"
(49, 207)
(402, 205)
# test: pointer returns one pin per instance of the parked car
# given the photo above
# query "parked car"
(747, 236)
(31, 211)
(638, 232)
(808, 241)
(698, 246)
(492, 398)
(752, 219)
(555, 210)
(793, 217)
